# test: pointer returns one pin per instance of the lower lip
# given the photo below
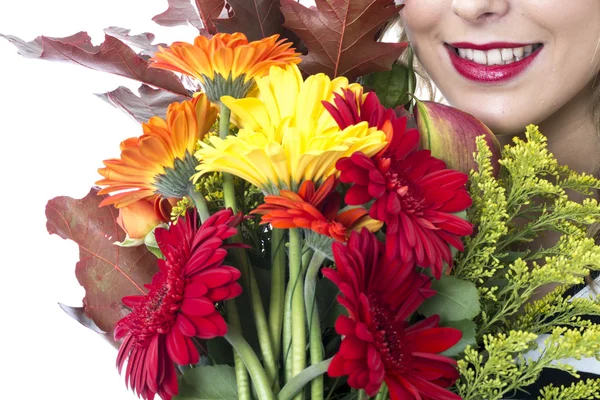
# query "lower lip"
(490, 73)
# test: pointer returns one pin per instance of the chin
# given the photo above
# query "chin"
(502, 119)
(501, 127)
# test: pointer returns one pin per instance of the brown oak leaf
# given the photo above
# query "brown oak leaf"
(111, 56)
(209, 10)
(340, 36)
(182, 12)
(106, 271)
(257, 19)
(150, 103)
(142, 41)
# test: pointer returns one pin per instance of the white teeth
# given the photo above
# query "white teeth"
(497, 56)
(507, 54)
(479, 57)
(518, 52)
(494, 57)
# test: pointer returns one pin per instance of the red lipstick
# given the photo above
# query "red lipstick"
(489, 73)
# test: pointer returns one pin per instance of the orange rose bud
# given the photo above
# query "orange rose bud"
(139, 218)
(450, 135)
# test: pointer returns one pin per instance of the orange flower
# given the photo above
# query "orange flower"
(316, 210)
(140, 217)
(161, 161)
(226, 63)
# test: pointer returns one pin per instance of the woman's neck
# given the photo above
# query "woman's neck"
(572, 135)
(574, 140)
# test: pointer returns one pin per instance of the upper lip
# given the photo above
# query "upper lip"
(489, 46)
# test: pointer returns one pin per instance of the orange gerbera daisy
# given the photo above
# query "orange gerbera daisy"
(226, 64)
(161, 161)
(318, 211)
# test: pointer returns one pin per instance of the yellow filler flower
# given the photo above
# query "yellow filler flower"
(161, 161)
(286, 136)
(226, 63)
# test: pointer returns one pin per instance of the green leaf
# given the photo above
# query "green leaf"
(329, 308)
(455, 300)
(216, 382)
(467, 327)
(391, 86)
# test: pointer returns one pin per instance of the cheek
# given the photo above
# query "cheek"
(422, 17)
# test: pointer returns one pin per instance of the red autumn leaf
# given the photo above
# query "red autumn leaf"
(257, 19)
(106, 271)
(111, 56)
(182, 12)
(179, 12)
(209, 10)
(340, 36)
(150, 102)
(142, 41)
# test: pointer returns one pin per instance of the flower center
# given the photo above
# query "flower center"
(389, 335)
(157, 311)
(408, 192)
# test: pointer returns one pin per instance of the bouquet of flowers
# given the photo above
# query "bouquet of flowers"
(291, 222)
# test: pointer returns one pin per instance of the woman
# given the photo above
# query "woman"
(515, 62)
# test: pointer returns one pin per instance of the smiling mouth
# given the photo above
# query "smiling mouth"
(495, 56)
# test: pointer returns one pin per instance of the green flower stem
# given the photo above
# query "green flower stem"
(277, 288)
(287, 334)
(296, 384)
(199, 202)
(411, 77)
(248, 277)
(362, 395)
(312, 315)
(287, 319)
(228, 186)
(383, 392)
(253, 365)
(224, 118)
(297, 300)
(241, 375)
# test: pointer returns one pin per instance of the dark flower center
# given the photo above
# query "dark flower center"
(157, 312)
(389, 335)
(409, 193)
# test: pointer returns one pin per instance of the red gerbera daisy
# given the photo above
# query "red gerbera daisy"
(379, 345)
(179, 305)
(314, 209)
(415, 194)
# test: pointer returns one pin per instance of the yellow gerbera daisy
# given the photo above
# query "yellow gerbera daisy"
(226, 63)
(286, 136)
(160, 162)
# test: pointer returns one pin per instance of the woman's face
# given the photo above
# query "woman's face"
(508, 62)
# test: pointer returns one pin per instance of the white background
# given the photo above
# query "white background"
(54, 134)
